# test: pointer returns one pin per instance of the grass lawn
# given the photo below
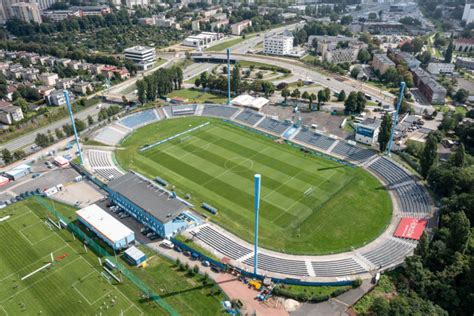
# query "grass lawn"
(318, 205)
(222, 46)
(197, 96)
(72, 285)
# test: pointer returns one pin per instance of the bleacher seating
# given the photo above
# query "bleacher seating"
(221, 243)
(279, 265)
(389, 253)
(218, 110)
(102, 164)
(337, 267)
(317, 140)
(112, 134)
(249, 117)
(389, 171)
(274, 126)
(413, 199)
(138, 119)
(351, 152)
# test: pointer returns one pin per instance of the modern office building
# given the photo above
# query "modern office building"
(278, 45)
(143, 56)
(201, 40)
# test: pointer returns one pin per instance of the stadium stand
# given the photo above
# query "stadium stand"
(352, 152)
(337, 267)
(138, 119)
(249, 117)
(413, 199)
(221, 243)
(273, 125)
(314, 139)
(184, 109)
(279, 265)
(389, 253)
(112, 134)
(102, 164)
(218, 110)
(389, 171)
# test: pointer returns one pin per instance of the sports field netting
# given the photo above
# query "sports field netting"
(71, 285)
(309, 204)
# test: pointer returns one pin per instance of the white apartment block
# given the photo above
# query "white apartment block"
(278, 45)
(468, 13)
(142, 56)
(343, 55)
(49, 79)
(28, 12)
(239, 27)
(137, 3)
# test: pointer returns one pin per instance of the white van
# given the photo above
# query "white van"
(167, 244)
(314, 126)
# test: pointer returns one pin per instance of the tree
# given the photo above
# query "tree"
(391, 77)
(235, 79)
(461, 95)
(42, 140)
(385, 131)
(363, 56)
(305, 95)
(346, 20)
(285, 93)
(90, 120)
(459, 156)
(141, 91)
(327, 94)
(372, 16)
(204, 79)
(380, 306)
(197, 82)
(7, 156)
(429, 156)
(448, 54)
(59, 133)
(341, 96)
(321, 98)
(19, 154)
(355, 72)
(296, 94)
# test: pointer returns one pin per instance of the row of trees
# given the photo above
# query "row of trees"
(159, 84)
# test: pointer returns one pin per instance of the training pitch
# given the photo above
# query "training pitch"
(70, 286)
(309, 205)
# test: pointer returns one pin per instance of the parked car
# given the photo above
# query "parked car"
(167, 244)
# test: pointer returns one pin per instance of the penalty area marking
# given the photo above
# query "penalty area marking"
(83, 296)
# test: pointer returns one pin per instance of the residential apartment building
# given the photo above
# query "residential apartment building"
(465, 63)
(464, 44)
(278, 45)
(137, 3)
(407, 58)
(9, 113)
(468, 13)
(142, 56)
(440, 68)
(28, 12)
(342, 55)
(56, 98)
(48, 79)
(239, 27)
(382, 63)
(59, 15)
(427, 85)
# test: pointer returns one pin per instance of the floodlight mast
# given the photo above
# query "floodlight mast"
(68, 104)
(228, 76)
(395, 117)
(257, 182)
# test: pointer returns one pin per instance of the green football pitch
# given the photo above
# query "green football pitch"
(309, 204)
(71, 285)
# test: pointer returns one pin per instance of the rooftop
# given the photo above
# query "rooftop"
(148, 196)
(104, 223)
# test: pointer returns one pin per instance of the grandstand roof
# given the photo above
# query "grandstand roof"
(148, 196)
(246, 100)
(104, 223)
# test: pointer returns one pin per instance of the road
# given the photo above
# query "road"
(28, 139)
(333, 82)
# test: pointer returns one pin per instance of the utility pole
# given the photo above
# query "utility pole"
(395, 117)
(66, 96)
(257, 182)
(228, 76)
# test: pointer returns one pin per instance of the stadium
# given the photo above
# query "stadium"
(331, 211)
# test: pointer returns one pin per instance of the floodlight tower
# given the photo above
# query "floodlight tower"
(257, 181)
(68, 104)
(395, 117)
(228, 76)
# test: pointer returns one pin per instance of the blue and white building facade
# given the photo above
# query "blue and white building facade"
(152, 205)
(367, 131)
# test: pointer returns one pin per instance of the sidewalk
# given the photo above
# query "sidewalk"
(232, 287)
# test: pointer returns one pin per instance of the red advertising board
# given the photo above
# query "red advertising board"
(411, 227)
